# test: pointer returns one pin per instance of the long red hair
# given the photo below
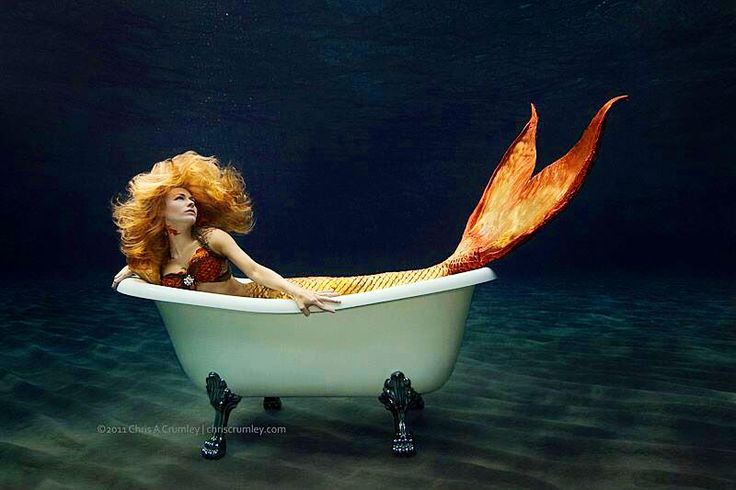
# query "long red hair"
(221, 198)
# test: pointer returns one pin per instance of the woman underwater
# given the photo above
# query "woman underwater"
(176, 222)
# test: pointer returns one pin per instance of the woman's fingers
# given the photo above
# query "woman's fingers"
(317, 299)
(115, 280)
(324, 306)
(305, 310)
(303, 307)
(124, 273)
(326, 296)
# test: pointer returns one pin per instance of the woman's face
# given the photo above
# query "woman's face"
(180, 207)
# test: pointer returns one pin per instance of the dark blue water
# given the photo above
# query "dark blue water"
(603, 357)
(369, 129)
(562, 382)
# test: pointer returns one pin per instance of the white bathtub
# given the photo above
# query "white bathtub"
(267, 347)
(399, 343)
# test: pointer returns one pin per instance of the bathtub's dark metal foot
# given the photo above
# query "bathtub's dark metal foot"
(272, 403)
(419, 404)
(399, 397)
(223, 401)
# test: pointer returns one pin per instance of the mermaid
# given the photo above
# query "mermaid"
(175, 223)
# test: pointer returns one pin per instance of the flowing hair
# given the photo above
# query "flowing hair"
(221, 198)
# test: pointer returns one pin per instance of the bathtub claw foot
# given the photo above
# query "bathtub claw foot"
(404, 446)
(418, 404)
(399, 397)
(272, 403)
(223, 401)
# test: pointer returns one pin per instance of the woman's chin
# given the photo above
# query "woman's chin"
(186, 220)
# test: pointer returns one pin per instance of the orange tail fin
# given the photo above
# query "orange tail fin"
(514, 204)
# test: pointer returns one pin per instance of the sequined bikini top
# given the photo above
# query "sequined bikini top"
(204, 266)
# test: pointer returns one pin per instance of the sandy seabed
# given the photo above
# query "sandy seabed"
(561, 383)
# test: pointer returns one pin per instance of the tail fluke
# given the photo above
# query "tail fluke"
(514, 204)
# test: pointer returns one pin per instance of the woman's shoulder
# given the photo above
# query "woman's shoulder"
(212, 237)
(209, 231)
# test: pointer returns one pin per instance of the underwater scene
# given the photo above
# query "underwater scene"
(561, 382)
(381, 144)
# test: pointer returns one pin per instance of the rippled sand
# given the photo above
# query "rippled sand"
(561, 383)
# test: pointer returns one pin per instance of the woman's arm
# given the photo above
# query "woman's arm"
(124, 273)
(222, 243)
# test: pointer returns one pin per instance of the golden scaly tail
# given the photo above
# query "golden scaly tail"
(513, 206)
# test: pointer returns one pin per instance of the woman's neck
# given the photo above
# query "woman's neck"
(180, 238)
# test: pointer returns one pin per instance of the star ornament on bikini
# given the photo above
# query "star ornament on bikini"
(188, 280)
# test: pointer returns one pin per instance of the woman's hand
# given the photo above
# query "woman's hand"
(125, 272)
(305, 298)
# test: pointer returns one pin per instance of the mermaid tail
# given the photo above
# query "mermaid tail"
(513, 206)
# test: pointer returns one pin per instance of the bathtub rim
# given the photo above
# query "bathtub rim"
(136, 287)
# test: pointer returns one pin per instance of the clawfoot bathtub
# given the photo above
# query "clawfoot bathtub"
(395, 343)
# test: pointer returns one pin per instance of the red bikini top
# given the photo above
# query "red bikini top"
(204, 266)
